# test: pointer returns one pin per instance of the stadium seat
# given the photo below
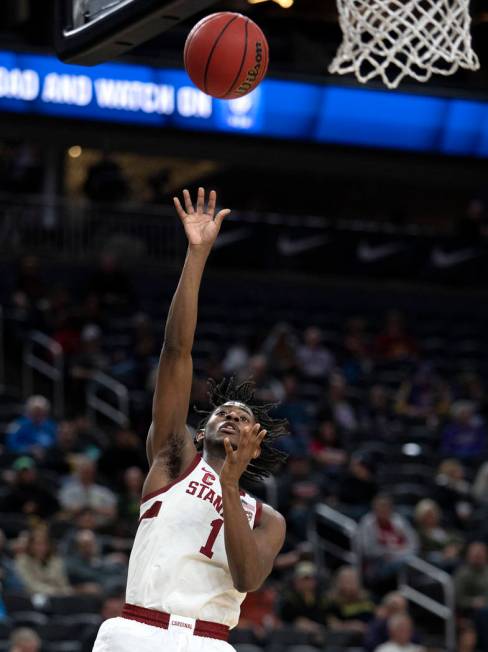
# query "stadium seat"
(247, 647)
(17, 602)
(75, 604)
(34, 619)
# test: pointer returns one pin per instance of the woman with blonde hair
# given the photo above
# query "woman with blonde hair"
(349, 607)
(41, 570)
(438, 545)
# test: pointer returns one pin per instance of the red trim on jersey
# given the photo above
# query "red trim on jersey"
(161, 619)
(259, 513)
(193, 465)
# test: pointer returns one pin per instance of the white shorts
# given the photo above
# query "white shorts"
(124, 635)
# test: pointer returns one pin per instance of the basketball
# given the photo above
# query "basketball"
(226, 55)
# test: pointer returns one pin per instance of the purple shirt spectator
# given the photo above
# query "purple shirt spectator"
(465, 436)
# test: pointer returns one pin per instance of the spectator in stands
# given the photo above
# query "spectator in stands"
(375, 418)
(129, 501)
(280, 347)
(105, 181)
(35, 431)
(125, 451)
(66, 449)
(394, 343)
(377, 633)
(337, 406)
(471, 580)
(358, 485)
(453, 493)
(400, 629)
(82, 491)
(303, 603)
(28, 495)
(41, 570)
(89, 571)
(480, 485)
(471, 588)
(258, 611)
(112, 285)
(437, 545)
(89, 360)
(268, 388)
(24, 639)
(236, 359)
(465, 436)
(315, 361)
(326, 448)
(299, 490)
(425, 398)
(111, 608)
(357, 363)
(295, 411)
(386, 541)
(9, 577)
(349, 607)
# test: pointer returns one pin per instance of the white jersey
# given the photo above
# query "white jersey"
(178, 562)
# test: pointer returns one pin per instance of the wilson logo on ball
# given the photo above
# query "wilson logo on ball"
(226, 55)
(253, 73)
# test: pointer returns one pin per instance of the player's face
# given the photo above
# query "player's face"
(229, 420)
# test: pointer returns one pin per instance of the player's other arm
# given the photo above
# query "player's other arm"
(174, 377)
(250, 553)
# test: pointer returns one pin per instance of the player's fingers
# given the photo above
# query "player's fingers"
(212, 198)
(219, 218)
(187, 200)
(228, 447)
(200, 200)
(179, 208)
(261, 436)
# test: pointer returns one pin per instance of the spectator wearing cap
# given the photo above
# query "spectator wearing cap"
(24, 639)
(386, 541)
(349, 606)
(303, 603)
(35, 431)
(400, 630)
(377, 633)
(81, 491)
(28, 495)
(41, 569)
(465, 436)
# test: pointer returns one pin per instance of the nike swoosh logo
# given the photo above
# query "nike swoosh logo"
(371, 253)
(291, 247)
(230, 237)
(445, 259)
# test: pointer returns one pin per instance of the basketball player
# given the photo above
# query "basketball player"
(202, 541)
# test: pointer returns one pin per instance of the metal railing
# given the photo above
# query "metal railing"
(444, 611)
(352, 555)
(101, 383)
(50, 366)
(341, 524)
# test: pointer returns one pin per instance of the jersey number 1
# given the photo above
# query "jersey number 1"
(214, 533)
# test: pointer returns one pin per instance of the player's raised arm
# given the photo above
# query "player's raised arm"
(169, 444)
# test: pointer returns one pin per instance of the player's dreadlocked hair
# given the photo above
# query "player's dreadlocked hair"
(271, 458)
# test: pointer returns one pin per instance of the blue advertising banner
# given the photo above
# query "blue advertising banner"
(132, 94)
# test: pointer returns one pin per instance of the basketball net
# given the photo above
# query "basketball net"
(393, 39)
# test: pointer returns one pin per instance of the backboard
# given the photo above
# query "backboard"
(92, 31)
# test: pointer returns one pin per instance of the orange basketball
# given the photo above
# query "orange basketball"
(226, 55)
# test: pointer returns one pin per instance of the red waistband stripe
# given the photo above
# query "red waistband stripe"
(161, 619)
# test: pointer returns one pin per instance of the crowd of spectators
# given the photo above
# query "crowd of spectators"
(70, 502)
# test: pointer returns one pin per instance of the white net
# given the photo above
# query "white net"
(393, 39)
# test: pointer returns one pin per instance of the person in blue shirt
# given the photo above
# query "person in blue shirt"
(35, 431)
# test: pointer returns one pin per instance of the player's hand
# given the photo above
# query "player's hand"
(201, 224)
(236, 461)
